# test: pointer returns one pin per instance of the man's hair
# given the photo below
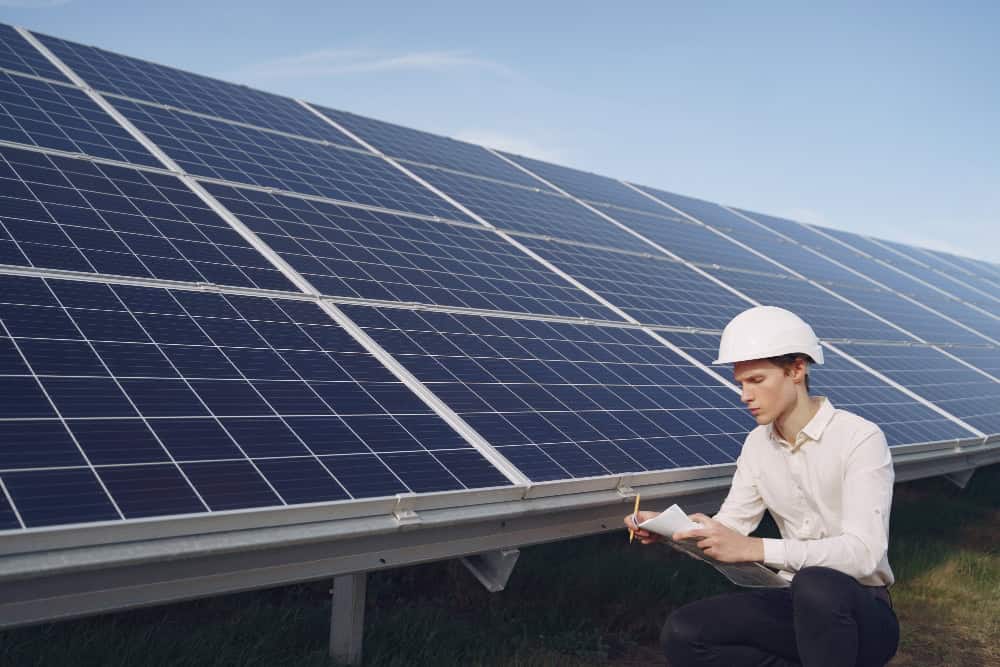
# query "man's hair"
(786, 361)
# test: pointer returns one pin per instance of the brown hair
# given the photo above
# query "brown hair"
(786, 361)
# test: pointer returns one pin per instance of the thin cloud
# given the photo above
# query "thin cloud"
(342, 62)
(512, 144)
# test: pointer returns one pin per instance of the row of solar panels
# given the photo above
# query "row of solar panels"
(489, 319)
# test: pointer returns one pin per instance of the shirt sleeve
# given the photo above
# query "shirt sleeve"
(866, 500)
(743, 507)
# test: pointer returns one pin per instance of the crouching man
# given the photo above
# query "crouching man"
(826, 477)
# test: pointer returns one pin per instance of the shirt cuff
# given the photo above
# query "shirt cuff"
(774, 553)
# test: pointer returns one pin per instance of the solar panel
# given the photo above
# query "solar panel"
(533, 212)
(942, 263)
(946, 282)
(984, 358)
(18, 55)
(564, 400)
(80, 215)
(960, 390)
(217, 401)
(590, 187)
(866, 267)
(689, 240)
(48, 115)
(222, 150)
(829, 316)
(650, 288)
(426, 148)
(903, 419)
(121, 75)
(361, 253)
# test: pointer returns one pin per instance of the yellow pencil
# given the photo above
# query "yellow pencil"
(635, 519)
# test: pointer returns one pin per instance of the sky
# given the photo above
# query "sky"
(883, 120)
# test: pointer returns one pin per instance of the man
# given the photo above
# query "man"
(826, 477)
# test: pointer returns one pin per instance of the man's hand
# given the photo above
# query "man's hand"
(644, 536)
(721, 543)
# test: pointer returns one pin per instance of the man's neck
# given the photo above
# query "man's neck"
(789, 423)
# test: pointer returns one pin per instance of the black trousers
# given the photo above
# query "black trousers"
(825, 619)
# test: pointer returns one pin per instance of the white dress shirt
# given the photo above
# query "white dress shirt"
(829, 492)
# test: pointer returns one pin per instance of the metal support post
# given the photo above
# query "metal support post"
(492, 568)
(347, 619)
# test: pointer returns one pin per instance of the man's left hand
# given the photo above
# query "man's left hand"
(722, 543)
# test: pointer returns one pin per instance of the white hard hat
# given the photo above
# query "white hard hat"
(767, 331)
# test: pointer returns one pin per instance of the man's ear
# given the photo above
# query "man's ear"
(798, 370)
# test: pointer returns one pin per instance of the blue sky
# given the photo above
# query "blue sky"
(883, 120)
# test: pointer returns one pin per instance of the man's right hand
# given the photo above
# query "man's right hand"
(644, 536)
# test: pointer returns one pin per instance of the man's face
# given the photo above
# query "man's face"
(767, 389)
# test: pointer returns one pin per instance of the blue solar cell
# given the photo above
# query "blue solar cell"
(426, 148)
(535, 212)
(565, 400)
(591, 187)
(354, 252)
(18, 55)
(903, 419)
(122, 75)
(65, 213)
(150, 490)
(651, 289)
(48, 115)
(222, 150)
(829, 316)
(52, 497)
(947, 265)
(960, 390)
(984, 358)
(217, 412)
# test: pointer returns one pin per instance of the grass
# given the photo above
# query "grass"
(590, 601)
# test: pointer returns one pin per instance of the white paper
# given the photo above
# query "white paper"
(669, 522)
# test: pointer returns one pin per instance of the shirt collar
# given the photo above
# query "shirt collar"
(813, 430)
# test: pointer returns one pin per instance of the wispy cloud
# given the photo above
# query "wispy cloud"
(33, 4)
(513, 144)
(342, 62)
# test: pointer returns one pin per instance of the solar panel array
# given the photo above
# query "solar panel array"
(298, 318)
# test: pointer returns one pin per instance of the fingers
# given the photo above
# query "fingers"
(703, 519)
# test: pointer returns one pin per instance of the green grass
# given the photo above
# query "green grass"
(590, 601)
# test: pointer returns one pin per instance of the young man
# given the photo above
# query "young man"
(826, 477)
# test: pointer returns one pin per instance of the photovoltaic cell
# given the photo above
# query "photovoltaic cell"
(523, 210)
(983, 269)
(18, 55)
(591, 187)
(904, 420)
(829, 316)
(565, 401)
(963, 392)
(426, 148)
(79, 215)
(217, 402)
(222, 150)
(652, 289)
(689, 240)
(48, 115)
(345, 251)
(131, 77)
